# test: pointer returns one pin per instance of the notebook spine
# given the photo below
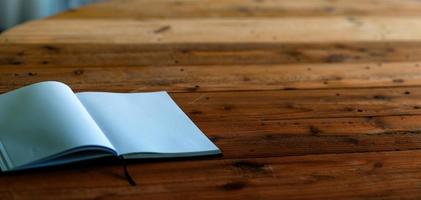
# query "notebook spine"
(5, 162)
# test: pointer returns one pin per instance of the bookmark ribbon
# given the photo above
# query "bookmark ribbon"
(126, 172)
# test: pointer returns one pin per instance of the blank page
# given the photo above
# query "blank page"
(146, 123)
(41, 120)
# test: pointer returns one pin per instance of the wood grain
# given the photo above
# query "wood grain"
(102, 55)
(248, 41)
(118, 9)
(310, 99)
(218, 78)
(215, 31)
(386, 175)
(257, 124)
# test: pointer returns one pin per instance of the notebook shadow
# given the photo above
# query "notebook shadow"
(105, 162)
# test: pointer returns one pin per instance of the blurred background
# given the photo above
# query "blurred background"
(13, 12)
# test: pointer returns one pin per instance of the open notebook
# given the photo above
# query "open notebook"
(47, 124)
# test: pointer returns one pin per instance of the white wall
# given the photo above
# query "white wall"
(13, 12)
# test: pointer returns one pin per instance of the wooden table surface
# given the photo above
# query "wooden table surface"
(309, 99)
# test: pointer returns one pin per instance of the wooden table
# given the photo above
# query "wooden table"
(309, 99)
